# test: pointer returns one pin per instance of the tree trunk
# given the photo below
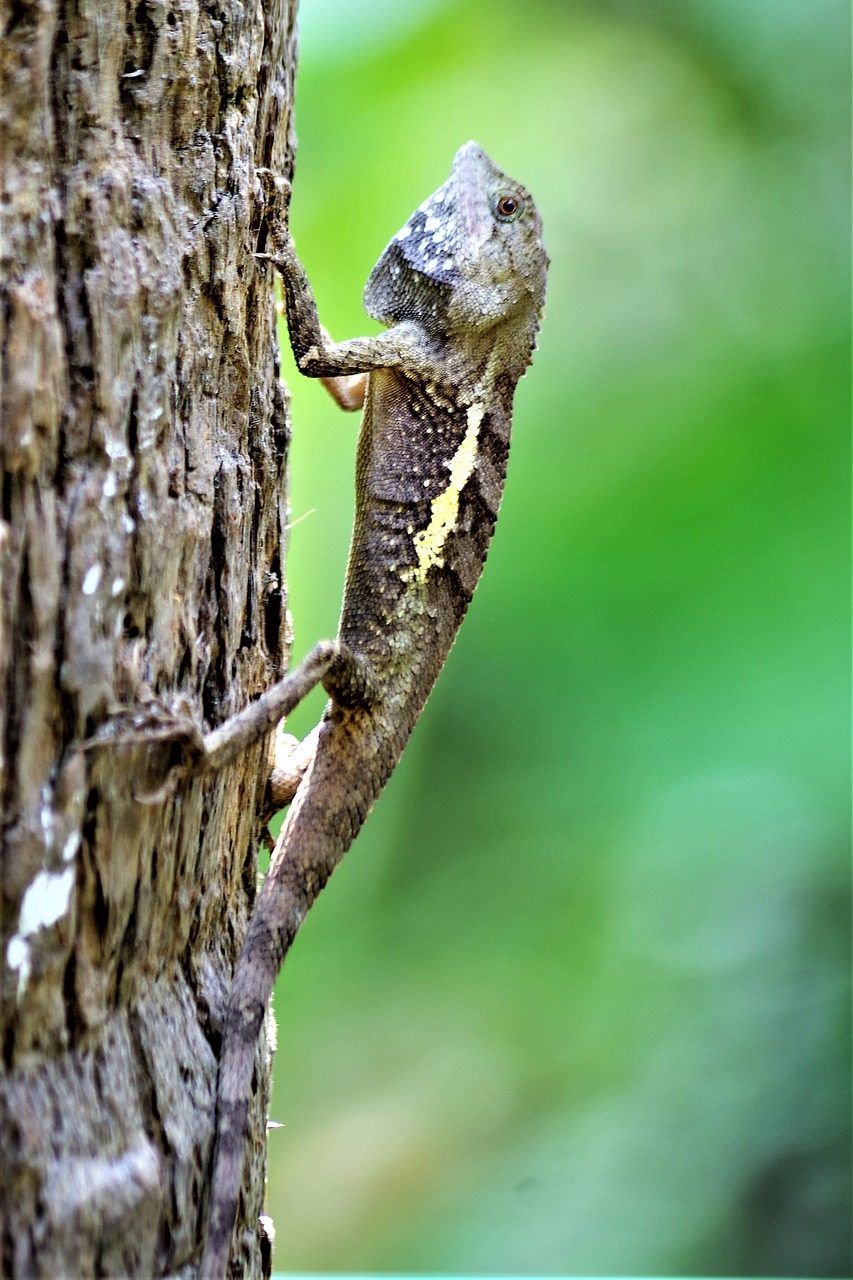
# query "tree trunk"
(142, 530)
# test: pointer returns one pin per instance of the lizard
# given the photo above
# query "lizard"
(460, 289)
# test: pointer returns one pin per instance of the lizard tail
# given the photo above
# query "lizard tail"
(273, 927)
(328, 810)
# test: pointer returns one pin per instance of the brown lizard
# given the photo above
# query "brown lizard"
(461, 288)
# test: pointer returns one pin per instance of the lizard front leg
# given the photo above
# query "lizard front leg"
(341, 366)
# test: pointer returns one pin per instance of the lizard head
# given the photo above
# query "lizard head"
(469, 258)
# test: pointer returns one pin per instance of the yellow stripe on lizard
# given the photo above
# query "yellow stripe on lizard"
(429, 542)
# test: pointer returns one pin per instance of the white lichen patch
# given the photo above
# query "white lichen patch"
(19, 960)
(45, 902)
(92, 580)
(47, 818)
(72, 844)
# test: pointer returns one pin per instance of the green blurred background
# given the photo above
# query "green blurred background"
(578, 999)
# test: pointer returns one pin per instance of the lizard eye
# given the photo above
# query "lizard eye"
(508, 206)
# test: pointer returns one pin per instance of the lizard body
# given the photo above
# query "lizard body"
(461, 287)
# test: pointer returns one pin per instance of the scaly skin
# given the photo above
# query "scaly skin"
(462, 287)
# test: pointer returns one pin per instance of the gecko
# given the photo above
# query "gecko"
(460, 290)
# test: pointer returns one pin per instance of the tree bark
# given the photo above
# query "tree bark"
(143, 445)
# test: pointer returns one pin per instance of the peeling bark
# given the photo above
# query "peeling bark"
(143, 445)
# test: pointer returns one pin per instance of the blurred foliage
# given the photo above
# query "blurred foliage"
(578, 1000)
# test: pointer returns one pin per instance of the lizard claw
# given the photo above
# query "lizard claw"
(273, 205)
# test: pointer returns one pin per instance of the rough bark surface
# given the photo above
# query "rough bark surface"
(142, 527)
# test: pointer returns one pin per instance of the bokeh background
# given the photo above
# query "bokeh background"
(577, 1002)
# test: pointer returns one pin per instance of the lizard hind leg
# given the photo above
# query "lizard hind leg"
(242, 730)
(349, 681)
